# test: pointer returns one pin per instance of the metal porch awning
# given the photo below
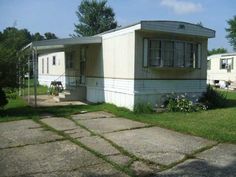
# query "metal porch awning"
(39, 47)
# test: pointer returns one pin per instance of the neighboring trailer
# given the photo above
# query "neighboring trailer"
(221, 70)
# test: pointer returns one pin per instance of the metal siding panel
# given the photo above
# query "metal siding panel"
(173, 27)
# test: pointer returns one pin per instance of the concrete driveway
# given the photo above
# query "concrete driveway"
(100, 144)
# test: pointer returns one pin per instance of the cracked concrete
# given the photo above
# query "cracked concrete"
(27, 149)
(106, 125)
(46, 158)
(100, 145)
(92, 115)
(19, 133)
(158, 145)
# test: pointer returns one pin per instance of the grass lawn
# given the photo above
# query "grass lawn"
(217, 124)
(41, 90)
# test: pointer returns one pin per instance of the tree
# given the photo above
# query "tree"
(12, 40)
(37, 37)
(94, 17)
(217, 51)
(49, 35)
(232, 32)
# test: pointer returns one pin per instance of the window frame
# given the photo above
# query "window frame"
(196, 52)
(227, 63)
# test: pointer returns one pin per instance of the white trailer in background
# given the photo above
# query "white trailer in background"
(221, 70)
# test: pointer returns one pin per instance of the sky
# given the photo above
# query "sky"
(58, 16)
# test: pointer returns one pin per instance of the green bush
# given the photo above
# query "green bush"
(213, 99)
(11, 93)
(3, 99)
(183, 104)
(143, 108)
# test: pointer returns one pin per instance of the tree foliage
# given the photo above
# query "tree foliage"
(232, 32)
(94, 17)
(11, 42)
(49, 35)
(217, 51)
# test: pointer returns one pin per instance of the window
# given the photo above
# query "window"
(189, 55)
(54, 60)
(42, 65)
(47, 65)
(168, 53)
(179, 54)
(208, 64)
(155, 53)
(69, 60)
(226, 63)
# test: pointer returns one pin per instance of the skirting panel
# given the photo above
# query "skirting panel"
(127, 93)
(115, 91)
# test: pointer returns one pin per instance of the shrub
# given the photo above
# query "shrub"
(10, 93)
(183, 104)
(143, 108)
(3, 99)
(213, 99)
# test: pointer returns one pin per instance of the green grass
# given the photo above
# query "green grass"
(41, 89)
(217, 124)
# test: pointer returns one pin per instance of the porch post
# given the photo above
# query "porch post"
(19, 76)
(34, 56)
(28, 79)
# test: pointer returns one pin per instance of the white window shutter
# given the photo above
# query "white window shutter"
(145, 53)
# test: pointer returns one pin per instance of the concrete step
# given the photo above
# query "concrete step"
(232, 86)
(72, 95)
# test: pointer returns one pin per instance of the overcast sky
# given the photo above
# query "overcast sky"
(58, 16)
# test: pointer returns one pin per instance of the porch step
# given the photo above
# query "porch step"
(72, 95)
(232, 86)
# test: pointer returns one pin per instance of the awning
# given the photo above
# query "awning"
(55, 44)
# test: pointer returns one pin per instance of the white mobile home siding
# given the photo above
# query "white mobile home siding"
(115, 84)
(151, 84)
(54, 70)
(216, 73)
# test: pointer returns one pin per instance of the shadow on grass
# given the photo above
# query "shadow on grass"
(28, 112)
(230, 103)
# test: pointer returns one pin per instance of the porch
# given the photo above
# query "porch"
(73, 65)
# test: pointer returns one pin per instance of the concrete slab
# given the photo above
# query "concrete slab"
(141, 169)
(100, 170)
(92, 115)
(222, 156)
(47, 158)
(199, 168)
(99, 144)
(60, 124)
(106, 125)
(157, 144)
(120, 159)
(78, 132)
(18, 133)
